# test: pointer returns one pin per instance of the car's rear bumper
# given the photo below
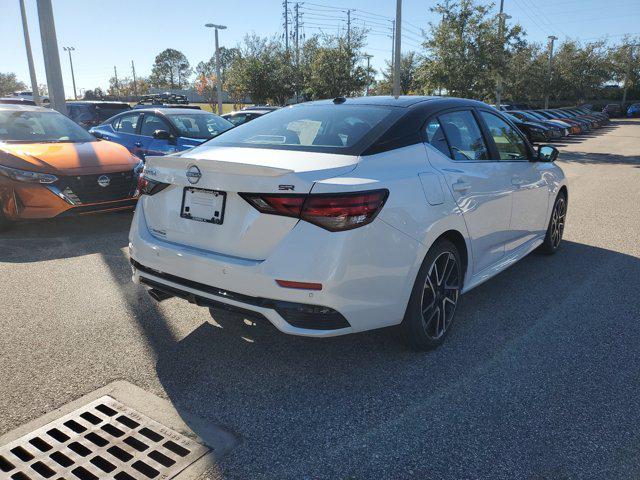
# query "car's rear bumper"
(366, 276)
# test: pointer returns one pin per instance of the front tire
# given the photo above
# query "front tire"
(4, 221)
(556, 225)
(434, 298)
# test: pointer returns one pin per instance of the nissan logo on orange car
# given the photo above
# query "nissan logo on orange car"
(193, 174)
(104, 180)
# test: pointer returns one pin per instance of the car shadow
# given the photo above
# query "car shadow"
(276, 391)
(65, 237)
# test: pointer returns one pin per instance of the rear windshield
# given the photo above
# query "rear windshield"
(343, 129)
(104, 112)
(199, 125)
(40, 127)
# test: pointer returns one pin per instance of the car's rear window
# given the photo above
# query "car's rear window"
(104, 112)
(343, 129)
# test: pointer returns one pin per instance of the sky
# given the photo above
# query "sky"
(116, 32)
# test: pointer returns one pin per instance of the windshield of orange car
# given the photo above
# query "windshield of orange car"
(20, 126)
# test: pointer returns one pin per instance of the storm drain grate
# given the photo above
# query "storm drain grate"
(103, 439)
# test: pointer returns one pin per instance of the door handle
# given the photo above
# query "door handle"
(138, 144)
(461, 186)
(517, 181)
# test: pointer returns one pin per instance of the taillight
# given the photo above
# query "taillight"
(146, 186)
(334, 211)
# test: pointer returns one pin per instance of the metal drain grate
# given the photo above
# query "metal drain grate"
(103, 439)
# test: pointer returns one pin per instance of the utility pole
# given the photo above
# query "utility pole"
(218, 79)
(393, 46)
(549, 66)
(115, 72)
(27, 46)
(397, 49)
(296, 37)
(73, 78)
(51, 56)
(285, 5)
(348, 27)
(627, 73)
(501, 19)
(135, 83)
(368, 57)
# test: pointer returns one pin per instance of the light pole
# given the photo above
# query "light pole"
(27, 45)
(218, 79)
(502, 17)
(626, 75)
(73, 78)
(397, 50)
(368, 57)
(51, 56)
(546, 97)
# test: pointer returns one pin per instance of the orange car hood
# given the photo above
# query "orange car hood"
(86, 158)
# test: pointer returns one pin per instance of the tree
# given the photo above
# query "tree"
(263, 71)
(170, 70)
(126, 87)
(331, 66)
(205, 82)
(463, 50)
(408, 77)
(625, 58)
(9, 83)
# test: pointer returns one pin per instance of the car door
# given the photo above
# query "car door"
(531, 191)
(125, 131)
(156, 146)
(479, 185)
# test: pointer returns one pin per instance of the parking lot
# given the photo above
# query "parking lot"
(538, 378)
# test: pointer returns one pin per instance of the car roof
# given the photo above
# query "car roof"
(194, 111)
(425, 103)
(239, 112)
(382, 100)
(96, 102)
(24, 108)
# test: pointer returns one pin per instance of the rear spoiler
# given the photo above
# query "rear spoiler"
(216, 166)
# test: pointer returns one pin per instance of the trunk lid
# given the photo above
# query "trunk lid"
(243, 232)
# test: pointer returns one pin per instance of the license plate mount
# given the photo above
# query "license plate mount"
(203, 205)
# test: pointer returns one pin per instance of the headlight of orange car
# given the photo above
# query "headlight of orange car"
(26, 176)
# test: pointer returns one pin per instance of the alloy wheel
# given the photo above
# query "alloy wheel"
(557, 222)
(440, 295)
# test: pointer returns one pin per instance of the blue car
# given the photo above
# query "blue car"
(161, 131)
(634, 110)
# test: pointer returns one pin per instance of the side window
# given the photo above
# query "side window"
(435, 136)
(509, 143)
(126, 123)
(151, 123)
(464, 136)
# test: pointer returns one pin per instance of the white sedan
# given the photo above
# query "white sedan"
(345, 215)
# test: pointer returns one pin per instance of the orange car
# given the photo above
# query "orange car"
(50, 166)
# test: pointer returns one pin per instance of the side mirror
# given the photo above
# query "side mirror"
(162, 135)
(547, 153)
(95, 133)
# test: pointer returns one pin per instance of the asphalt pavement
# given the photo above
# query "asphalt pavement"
(539, 378)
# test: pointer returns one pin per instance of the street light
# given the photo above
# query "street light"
(502, 18)
(218, 79)
(552, 39)
(73, 78)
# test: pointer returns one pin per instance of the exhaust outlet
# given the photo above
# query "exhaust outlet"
(158, 295)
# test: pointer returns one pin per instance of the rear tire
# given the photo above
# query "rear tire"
(553, 238)
(434, 298)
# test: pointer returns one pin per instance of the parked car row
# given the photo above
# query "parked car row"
(552, 124)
